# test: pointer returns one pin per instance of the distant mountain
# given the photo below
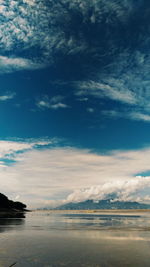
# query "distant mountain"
(6, 204)
(103, 204)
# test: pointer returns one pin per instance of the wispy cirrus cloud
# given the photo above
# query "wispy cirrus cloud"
(11, 64)
(127, 83)
(112, 89)
(106, 41)
(128, 114)
(54, 28)
(139, 116)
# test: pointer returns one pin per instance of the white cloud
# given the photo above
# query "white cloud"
(127, 113)
(43, 104)
(122, 191)
(140, 116)
(52, 103)
(10, 64)
(8, 149)
(113, 91)
(59, 105)
(53, 174)
(7, 96)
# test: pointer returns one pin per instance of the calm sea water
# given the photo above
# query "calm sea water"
(52, 239)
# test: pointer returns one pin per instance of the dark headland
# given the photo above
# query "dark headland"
(10, 208)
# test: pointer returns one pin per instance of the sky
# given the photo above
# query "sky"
(74, 100)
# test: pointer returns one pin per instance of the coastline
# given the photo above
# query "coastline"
(115, 211)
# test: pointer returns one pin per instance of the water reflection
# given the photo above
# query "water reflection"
(93, 221)
(9, 224)
(103, 220)
(51, 239)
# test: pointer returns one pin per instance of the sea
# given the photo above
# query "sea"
(76, 238)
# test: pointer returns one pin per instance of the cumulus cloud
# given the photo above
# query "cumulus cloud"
(69, 174)
(120, 190)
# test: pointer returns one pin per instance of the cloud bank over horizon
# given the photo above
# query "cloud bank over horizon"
(129, 190)
(70, 174)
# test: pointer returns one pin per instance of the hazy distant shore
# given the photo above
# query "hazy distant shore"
(98, 211)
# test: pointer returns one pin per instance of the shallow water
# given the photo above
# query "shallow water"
(72, 239)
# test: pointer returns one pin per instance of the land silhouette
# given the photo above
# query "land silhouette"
(10, 208)
(5, 203)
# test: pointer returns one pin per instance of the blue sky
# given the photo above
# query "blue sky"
(74, 79)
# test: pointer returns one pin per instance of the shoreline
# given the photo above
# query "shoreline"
(96, 211)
